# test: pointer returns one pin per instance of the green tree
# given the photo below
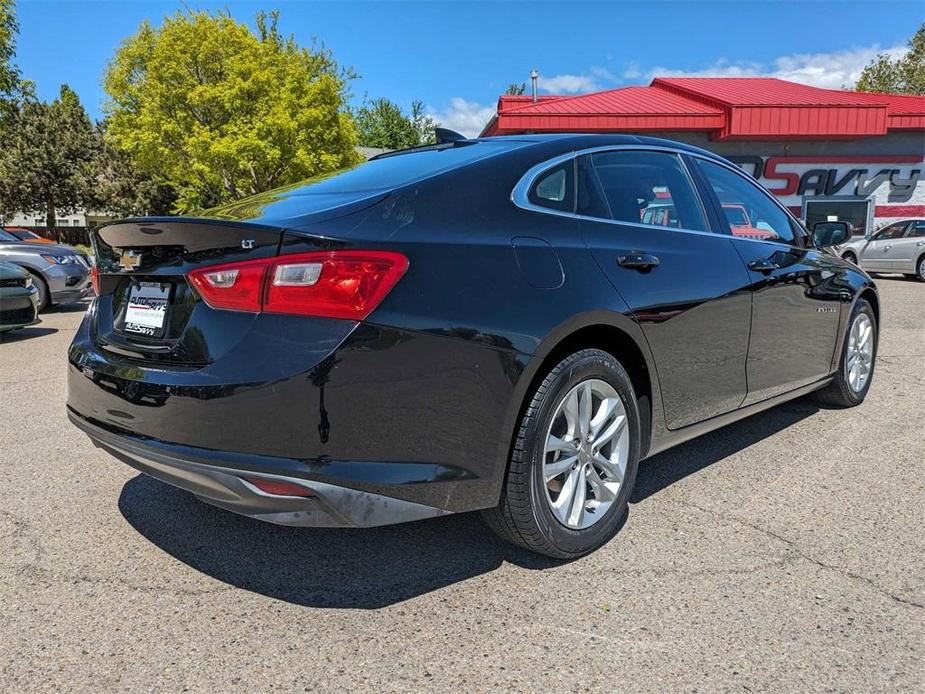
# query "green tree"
(12, 87)
(124, 191)
(514, 89)
(382, 123)
(904, 75)
(219, 113)
(48, 158)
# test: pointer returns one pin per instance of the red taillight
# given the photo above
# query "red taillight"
(331, 284)
(280, 487)
(95, 279)
(235, 286)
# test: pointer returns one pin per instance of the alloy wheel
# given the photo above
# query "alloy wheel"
(586, 454)
(860, 353)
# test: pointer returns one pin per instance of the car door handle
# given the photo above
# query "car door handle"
(638, 261)
(763, 265)
(920, 243)
(886, 248)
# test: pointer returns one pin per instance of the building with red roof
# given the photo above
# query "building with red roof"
(858, 156)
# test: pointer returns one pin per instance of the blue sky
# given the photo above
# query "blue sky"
(458, 56)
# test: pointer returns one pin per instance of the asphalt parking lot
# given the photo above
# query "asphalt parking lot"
(782, 553)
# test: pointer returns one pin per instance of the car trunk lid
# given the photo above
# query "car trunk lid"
(147, 308)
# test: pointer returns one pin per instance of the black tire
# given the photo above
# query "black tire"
(851, 258)
(839, 393)
(920, 269)
(44, 294)
(523, 516)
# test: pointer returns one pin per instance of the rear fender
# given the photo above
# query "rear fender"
(534, 370)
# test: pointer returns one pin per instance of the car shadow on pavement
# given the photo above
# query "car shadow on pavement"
(318, 567)
(376, 567)
(664, 469)
(75, 307)
(21, 334)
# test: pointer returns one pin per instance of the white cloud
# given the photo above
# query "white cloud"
(632, 71)
(829, 70)
(604, 74)
(465, 117)
(567, 84)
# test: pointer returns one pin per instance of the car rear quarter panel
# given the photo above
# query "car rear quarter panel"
(467, 287)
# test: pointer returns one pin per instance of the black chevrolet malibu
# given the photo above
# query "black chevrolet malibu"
(502, 324)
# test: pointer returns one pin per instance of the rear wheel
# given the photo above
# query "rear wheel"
(42, 288)
(920, 269)
(574, 460)
(856, 368)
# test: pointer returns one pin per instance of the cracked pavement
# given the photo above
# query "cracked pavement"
(785, 552)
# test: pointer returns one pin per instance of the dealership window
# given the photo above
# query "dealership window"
(649, 188)
(749, 211)
(555, 188)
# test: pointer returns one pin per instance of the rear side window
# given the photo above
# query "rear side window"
(649, 188)
(894, 231)
(917, 229)
(749, 211)
(555, 188)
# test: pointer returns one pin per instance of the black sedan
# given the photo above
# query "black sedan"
(502, 324)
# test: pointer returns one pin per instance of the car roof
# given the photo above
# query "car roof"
(589, 140)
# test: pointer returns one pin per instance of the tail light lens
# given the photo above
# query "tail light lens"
(95, 279)
(238, 287)
(331, 284)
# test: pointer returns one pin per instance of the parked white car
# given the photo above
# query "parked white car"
(897, 247)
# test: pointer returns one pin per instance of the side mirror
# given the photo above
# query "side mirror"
(827, 234)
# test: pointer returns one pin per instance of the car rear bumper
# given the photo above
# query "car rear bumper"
(222, 479)
(388, 413)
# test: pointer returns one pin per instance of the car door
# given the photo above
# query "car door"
(912, 245)
(877, 254)
(905, 250)
(796, 290)
(686, 286)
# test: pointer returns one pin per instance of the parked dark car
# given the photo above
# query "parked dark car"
(18, 298)
(482, 324)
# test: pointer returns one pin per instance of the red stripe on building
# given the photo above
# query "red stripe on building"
(879, 210)
(899, 210)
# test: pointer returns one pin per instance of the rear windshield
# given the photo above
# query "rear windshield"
(401, 169)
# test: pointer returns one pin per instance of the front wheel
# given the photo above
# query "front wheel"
(574, 460)
(856, 368)
(42, 288)
(850, 257)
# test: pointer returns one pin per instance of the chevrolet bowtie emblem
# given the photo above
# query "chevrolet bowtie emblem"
(130, 260)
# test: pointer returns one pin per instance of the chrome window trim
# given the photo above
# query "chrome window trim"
(520, 193)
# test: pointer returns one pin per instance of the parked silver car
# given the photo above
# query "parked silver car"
(897, 247)
(60, 273)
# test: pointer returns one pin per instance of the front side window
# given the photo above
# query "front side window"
(555, 188)
(749, 211)
(649, 188)
(894, 231)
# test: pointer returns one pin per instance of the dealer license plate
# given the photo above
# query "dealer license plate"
(147, 308)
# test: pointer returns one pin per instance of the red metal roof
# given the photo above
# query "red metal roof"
(727, 107)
